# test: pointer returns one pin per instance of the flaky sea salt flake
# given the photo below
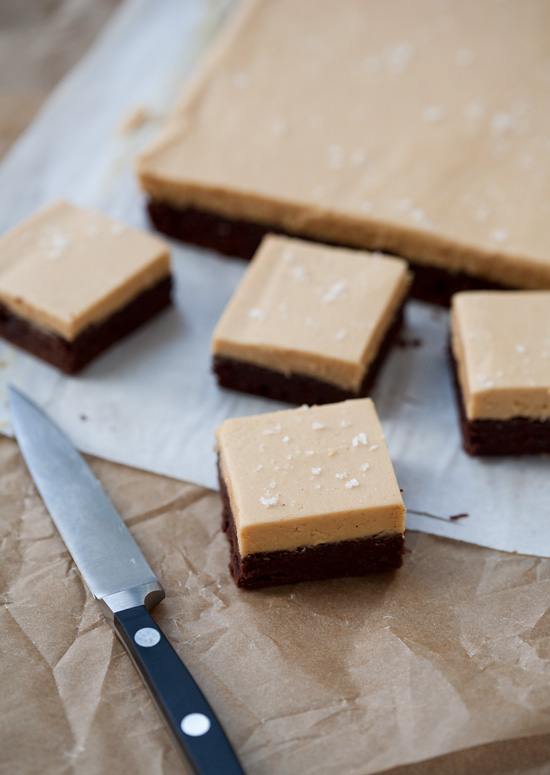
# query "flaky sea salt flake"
(433, 114)
(361, 438)
(256, 314)
(267, 502)
(351, 483)
(335, 291)
(499, 235)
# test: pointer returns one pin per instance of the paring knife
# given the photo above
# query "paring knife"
(122, 582)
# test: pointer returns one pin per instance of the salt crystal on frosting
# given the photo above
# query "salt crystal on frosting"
(55, 242)
(342, 475)
(359, 439)
(317, 426)
(499, 235)
(335, 291)
(316, 471)
(267, 502)
(299, 274)
(256, 314)
(474, 110)
(433, 114)
(399, 57)
(365, 466)
(271, 431)
(279, 127)
(501, 123)
(352, 483)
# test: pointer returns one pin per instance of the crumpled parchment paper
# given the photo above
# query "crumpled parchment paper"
(349, 676)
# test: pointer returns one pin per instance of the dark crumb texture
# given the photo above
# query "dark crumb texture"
(297, 388)
(516, 436)
(357, 557)
(71, 356)
(241, 239)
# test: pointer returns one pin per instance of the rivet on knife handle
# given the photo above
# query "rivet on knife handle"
(190, 720)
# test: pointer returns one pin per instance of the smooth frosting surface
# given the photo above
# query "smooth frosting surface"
(309, 476)
(421, 128)
(65, 268)
(501, 342)
(311, 309)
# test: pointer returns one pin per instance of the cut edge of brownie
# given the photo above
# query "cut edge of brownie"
(298, 388)
(71, 356)
(241, 238)
(354, 557)
(491, 438)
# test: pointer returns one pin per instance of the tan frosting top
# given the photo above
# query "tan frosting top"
(65, 268)
(421, 128)
(312, 309)
(309, 476)
(501, 342)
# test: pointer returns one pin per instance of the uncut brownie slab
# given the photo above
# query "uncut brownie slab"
(73, 282)
(309, 323)
(406, 127)
(309, 494)
(500, 357)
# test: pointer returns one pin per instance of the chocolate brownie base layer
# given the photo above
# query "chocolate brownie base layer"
(241, 238)
(71, 356)
(516, 436)
(297, 388)
(357, 557)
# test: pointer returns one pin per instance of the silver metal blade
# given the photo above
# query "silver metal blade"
(106, 554)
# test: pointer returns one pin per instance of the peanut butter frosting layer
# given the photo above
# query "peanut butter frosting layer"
(314, 310)
(501, 343)
(420, 128)
(66, 268)
(309, 476)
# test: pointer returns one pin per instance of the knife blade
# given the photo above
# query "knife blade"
(122, 582)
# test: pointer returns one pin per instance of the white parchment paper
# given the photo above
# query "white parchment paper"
(151, 401)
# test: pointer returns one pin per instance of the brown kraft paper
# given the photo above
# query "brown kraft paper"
(441, 667)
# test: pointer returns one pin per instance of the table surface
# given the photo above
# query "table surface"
(39, 43)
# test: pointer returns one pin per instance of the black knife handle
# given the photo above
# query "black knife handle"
(190, 720)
